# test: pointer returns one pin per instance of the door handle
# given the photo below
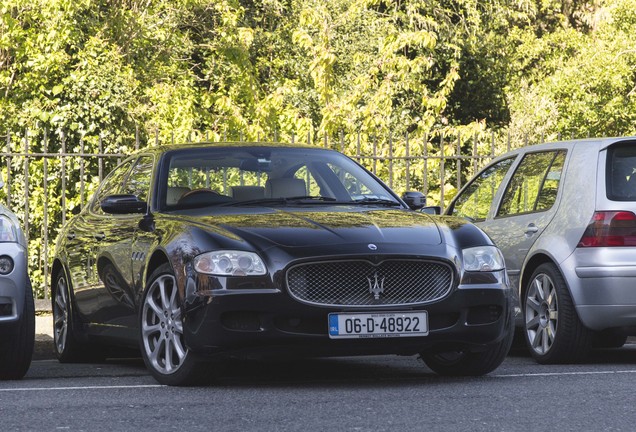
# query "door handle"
(531, 229)
(99, 236)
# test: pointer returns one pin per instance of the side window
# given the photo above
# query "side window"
(620, 172)
(138, 182)
(356, 187)
(534, 185)
(112, 184)
(476, 199)
(304, 173)
(550, 187)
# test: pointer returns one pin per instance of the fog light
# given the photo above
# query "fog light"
(6, 264)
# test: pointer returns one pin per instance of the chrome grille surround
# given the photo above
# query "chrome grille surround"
(359, 282)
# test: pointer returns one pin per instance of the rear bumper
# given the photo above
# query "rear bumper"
(273, 325)
(603, 286)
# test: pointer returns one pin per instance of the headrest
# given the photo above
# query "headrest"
(285, 188)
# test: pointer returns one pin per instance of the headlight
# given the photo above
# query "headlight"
(483, 259)
(7, 230)
(229, 263)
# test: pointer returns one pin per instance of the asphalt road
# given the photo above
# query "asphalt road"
(376, 393)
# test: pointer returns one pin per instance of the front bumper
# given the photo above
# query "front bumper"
(268, 323)
(13, 285)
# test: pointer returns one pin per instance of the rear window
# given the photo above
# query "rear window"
(620, 172)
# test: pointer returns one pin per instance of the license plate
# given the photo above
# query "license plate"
(378, 325)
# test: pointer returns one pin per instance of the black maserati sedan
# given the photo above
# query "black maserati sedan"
(202, 254)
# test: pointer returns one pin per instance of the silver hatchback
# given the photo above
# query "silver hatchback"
(564, 216)
(17, 311)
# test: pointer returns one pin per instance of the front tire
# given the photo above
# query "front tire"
(554, 334)
(460, 363)
(16, 348)
(162, 342)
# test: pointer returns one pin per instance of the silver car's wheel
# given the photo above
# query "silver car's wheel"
(542, 313)
(162, 341)
(554, 333)
(16, 342)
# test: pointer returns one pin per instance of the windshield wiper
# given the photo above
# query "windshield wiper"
(308, 199)
(311, 198)
(376, 201)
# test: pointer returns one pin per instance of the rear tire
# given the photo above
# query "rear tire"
(554, 334)
(68, 348)
(16, 347)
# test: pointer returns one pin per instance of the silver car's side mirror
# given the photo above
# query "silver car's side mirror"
(1, 181)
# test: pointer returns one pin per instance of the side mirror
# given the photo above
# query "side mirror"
(123, 204)
(1, 181)
(415, 200)
(434, 210)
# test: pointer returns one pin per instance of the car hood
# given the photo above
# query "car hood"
(310, 227)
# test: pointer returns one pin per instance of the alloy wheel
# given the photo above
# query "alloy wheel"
(162, 326)
(541, 313)
(60, 315)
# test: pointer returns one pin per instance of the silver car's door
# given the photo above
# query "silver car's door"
(475, 201)
(527, 205)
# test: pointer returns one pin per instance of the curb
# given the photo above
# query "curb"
(43, 348)
(42, 305)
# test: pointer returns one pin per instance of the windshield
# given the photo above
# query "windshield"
(225, 176)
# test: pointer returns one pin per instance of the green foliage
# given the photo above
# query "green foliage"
(573, 82)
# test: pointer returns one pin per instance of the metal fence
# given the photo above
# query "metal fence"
(49, 177)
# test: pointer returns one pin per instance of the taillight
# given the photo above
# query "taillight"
(610, 228)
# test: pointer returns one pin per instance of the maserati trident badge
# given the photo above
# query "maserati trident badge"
(376, 285)
(372, 246)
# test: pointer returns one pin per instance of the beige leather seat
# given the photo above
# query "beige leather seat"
(285, 188)
(174, 193)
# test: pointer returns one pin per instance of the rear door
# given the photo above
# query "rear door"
(528, 204)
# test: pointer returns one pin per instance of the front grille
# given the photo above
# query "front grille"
(362, 283)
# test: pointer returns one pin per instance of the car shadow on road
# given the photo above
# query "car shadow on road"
(624, 355)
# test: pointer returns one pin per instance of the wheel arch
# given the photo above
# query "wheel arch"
(158, 258)
(532, 264)
(56, 268)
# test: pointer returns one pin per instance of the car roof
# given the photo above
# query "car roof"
(220, 144)
(597, 143)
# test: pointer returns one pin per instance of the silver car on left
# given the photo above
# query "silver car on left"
(17, 309)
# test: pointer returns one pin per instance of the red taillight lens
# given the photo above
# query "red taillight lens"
(610, 229)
